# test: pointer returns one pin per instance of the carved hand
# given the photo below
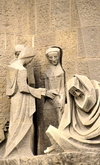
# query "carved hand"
(51, 93)
(43, 91)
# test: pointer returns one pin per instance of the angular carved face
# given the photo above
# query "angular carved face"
(26, 61)
(75, 92)
(53, 57)
(17, 54)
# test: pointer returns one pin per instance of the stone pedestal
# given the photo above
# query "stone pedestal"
(68, 158)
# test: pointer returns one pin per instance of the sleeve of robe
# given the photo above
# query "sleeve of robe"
(24, 87)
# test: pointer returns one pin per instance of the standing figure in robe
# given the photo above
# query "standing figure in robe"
(55, 85)
(21, 130)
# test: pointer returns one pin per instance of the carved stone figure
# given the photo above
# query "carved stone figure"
(18, 49)
(21, 131)
(79, 128)
(55, 85)
(29, 67)
(3, 129)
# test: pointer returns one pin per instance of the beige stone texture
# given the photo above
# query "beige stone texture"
(75, 19)
(9, 41)
(42, 39)
(26, 40)
(89, 12)
(31, 17)
(43, 17)
(82, 66)
(90, 41)
(60, 14)
(74, 25)
(79, 127)
(74, 158)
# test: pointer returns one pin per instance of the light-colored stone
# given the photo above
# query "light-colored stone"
(89, 12)
(26, 40)
(60, 14)
(75, 17)
(48, 39)
(89, 37)
(74, 158)
(31, 17)
(83, 68)
(67, 39)
(73, 25)
(55, 85)
(9, 41)
(79, 128)
(43, 18)
(94, 68)
(20, 139)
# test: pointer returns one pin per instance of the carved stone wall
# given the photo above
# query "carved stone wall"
(73, 25)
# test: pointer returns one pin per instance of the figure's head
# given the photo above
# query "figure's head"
(54, 55)
(26, 55)
(75, 88)
(75, 92)
(18, 49)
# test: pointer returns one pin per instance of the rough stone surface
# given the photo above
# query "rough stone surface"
(72, 158)
(74, 25)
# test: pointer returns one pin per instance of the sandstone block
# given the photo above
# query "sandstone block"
(43, 17)
(2, 41)
(26, 40)
(94, 68)
(31, 17)
(88, 42)
(75, 17)
(60, 14)
(47, 39)
(89, 12)
(66, 39)
(10, 41)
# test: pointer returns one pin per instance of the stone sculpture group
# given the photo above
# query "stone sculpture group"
(78, 119)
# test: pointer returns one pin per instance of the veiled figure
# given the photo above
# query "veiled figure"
(55, 83)
(55, 95)
(80, 125)
(21, 132)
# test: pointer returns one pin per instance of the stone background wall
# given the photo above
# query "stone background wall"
(74, 25)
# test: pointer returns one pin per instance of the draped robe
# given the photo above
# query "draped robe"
(22, 107)
(80, 123)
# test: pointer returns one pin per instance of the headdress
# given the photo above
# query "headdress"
(52, 50)
(27, 52)
(19, 48)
